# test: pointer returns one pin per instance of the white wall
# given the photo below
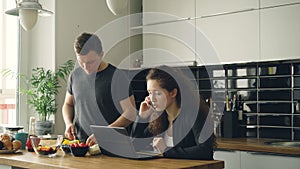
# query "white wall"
(37, 49)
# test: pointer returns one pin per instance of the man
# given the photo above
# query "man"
(95, 93)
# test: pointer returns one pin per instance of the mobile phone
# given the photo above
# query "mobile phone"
(151, 107)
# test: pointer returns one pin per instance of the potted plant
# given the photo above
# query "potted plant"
(42, 88)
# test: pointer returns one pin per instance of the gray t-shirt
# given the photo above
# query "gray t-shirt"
(97, 97)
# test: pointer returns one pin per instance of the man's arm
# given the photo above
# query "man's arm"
(129, 113)
(68, 113)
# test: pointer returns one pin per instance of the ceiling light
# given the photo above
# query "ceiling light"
(117, 6)
(28, 11)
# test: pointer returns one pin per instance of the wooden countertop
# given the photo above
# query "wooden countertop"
(26, 159)
(251, 144)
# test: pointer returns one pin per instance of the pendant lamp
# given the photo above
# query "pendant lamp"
(28, 11)
(117, 6)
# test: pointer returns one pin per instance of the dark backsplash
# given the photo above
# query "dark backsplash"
(270, 92)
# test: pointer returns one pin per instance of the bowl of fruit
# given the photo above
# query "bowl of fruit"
(65, 145)
(46, 146)
(79, 149)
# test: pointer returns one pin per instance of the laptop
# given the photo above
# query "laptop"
(116, 141)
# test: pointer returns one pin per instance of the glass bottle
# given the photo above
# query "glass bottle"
(31, 132)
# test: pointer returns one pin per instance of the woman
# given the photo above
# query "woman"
(174, 115)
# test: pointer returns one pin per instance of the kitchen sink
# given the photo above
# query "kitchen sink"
(283, 143)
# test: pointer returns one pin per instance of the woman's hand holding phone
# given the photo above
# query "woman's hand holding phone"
(146, 109)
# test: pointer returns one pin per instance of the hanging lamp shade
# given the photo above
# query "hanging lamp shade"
(28, 18)
(117, 6)
(28, 11)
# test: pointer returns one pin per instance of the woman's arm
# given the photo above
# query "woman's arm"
(202, 151)
(191, 147)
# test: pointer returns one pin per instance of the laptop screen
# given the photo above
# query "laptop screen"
(116, 141)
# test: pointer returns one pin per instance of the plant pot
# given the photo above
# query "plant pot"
(44, 127)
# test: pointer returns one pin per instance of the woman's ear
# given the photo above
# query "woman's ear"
(173, 93)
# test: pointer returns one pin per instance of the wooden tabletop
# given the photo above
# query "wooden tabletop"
(257, 145)
(26, 159)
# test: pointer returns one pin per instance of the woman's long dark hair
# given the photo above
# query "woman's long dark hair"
(166, 78)
(193, 104)
(166, 81)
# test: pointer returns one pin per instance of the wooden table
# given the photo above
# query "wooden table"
(26, 159)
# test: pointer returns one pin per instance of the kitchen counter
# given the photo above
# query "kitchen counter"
(26, 159)
(257, 145)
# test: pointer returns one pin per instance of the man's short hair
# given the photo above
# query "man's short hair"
(87, 42)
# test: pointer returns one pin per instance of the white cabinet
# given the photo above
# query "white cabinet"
(225, 32)
(168, 36)
(208, 7)
(213, 40)
(250, 160)
(170, 44)
(255, 160)
(280, 35)
(232, 159)
(268, 3)
(178, 8)
(234, 36)
(5, 166)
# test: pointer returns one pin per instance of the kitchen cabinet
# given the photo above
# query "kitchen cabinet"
(162, 44)
(8, 167)
(231, 27)
(235, 37)
(5, 166)
(269, 3)
(211, 7)
(232, 158)
(178, 8)
(280, 36)
(239, 30)
(168, 36)
(251, 160)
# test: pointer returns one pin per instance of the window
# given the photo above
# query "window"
(9, 40)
